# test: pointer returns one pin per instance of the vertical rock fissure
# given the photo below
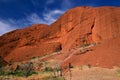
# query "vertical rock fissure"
(93, 24)
(89, 35)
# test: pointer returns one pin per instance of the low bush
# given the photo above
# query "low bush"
(16, 73)
(23, 73)
(89, 65)
(48, 69)
(4, 73)
(84, 45)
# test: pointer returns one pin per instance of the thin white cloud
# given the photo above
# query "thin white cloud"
(34, 19)
(51, 15)
(48, 17)
(5, 27)
(11, 24)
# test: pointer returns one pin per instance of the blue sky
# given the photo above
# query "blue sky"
(16, 14)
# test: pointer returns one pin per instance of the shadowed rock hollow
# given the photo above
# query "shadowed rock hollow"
(78, 26)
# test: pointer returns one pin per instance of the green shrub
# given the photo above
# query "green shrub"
(33, 57)
(89, 66)
(5, 73)
(48, 69)
(17, 73)
(20, 73)
(71, 66)
(23, 73)
(84, 45)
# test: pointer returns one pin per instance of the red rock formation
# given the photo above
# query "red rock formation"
(86, 24)
(105, 54)
(78, 26)
(26, 43)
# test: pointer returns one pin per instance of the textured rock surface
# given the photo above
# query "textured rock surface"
(26, 43)
(78, 26)
(85, 25)
(105, 54)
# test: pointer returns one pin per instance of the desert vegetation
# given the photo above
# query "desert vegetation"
(49, 70)
(32, 67)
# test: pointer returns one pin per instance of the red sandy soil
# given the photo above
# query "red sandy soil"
(78, 26)
(94, 73)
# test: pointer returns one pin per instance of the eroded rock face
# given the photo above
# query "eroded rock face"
(83, 25)
(24, 44)
(105, 55)
(78, 26)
